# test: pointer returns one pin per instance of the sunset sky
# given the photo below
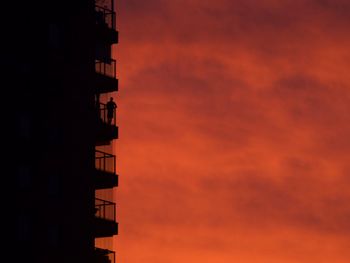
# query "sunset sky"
(234, 142)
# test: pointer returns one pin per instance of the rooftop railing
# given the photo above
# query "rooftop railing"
(106, 69)
(105, 209)
(105, 162)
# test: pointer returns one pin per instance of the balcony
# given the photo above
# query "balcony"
(104, 255)
(106, 76)
(105, 218)
(105, 171)
(107, 129)
(105, 22)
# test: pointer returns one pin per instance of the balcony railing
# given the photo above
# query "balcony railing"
(105, 15)
(106, 69)
(105, 209)
(104, 116)
(104, 255)
(108, 4)
(105, 162)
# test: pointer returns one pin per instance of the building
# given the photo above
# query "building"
(57, 71)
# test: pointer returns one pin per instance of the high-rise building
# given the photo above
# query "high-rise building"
(59, 172)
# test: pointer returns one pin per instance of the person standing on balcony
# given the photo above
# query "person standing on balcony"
(111, 106)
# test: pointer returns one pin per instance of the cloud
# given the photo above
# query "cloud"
(234, 125)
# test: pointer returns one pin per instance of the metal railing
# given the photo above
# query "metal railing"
(105, 16)
(105, 116)
(106, 69)
(105, 161)
(105, 209)
(105, 3)
(104, 255)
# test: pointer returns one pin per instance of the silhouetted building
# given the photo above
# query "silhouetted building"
(56, 68)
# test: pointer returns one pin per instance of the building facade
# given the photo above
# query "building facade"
(57, 73)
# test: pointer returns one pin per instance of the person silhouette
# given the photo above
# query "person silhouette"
(111, 105)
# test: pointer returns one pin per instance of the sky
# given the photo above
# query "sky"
(233, 131)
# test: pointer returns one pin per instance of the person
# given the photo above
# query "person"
(111, 106)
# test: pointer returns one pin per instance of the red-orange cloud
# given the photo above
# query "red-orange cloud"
(234, 123)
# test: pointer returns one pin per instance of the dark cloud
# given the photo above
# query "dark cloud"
(249, 21)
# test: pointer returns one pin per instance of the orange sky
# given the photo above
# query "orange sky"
(234, 131)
